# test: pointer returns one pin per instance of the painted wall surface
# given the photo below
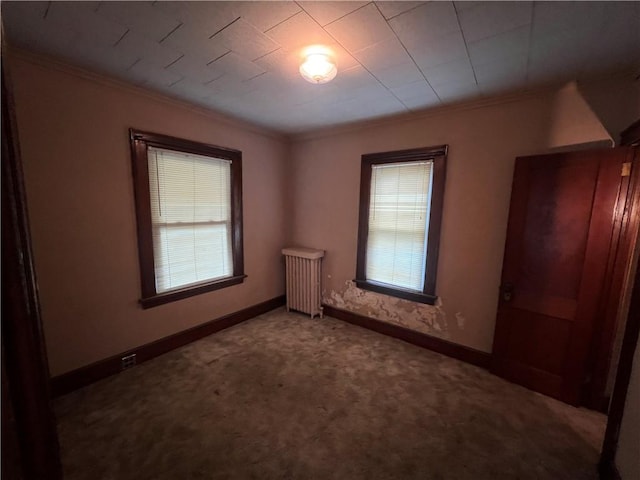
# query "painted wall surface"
(572, 118)
(628, 453)
(74, 139)
(483, 143)
(616, 101)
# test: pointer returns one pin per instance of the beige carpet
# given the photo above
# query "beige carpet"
(285, 397)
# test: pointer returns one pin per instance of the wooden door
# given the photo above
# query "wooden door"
(558, 242)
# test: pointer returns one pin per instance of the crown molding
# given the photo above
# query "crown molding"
(54, 63)
(477, 103)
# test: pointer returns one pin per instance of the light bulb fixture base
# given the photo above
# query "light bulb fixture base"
(318, 68)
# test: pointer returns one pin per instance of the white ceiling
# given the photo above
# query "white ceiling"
(242, 57)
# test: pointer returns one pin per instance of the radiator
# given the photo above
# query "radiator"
(304, 279)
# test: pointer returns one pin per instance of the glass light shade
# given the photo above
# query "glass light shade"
(318, 68)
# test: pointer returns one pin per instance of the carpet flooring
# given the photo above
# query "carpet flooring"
(282, 396)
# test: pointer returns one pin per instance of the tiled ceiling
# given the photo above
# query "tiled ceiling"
(242, 58)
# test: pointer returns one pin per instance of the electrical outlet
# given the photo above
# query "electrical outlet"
(128, 361)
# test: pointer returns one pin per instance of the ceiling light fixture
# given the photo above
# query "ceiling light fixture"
(318, 68)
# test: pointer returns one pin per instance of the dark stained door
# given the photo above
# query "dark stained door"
(558, 241)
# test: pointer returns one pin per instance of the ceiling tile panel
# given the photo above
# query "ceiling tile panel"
(380, 71)
(504, 45)
(149, 50)
(299, 31)
(19, 15)
(417, 27)
(237, 67)
(245, 40)
(398, 74)
(438, 51)
(140, 17)
(544, 74)
(353, 78)
(190, 90)
(323, 95)
(459, 71)
(360, 29)
(382, 106)
(383, 55)
(491, 18)
(145, 73)
(195, 69)
(453, 92)
(421, 102)
(280, 60)
(395, 8)
(230, 86)
(418, 94)
(102, 59)
(506, 68)
(466, 5)
(210, 17)
(302, 93)
(25, 25)
(80, 17)
(194, 40)
(620, 33)
(503, 85)
(270, 84)
(344, 60)
(623, 17)
(327, 12)
(557, 58)
(551, 18)
(562, 52)
(371, 103)
(265, 15)
(288, 62)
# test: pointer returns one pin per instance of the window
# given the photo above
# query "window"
(401, 196)
(189, 213)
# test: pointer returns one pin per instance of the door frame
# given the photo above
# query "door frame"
(34, 452)
(594, 394)
(606, 466)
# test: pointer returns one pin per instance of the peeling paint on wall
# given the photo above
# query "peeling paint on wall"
(429, 319)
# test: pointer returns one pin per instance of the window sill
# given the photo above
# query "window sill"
(397, 292)
(187, 292)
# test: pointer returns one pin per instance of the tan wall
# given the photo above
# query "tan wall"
(73, 131)
(74, 138)
(574, 121)
(483, 143)
(616, 101)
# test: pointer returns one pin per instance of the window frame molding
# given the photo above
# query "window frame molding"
(439, 156)
(139, 143)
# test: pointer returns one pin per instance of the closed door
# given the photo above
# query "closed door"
(558, 241)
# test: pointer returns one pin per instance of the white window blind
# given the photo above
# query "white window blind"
(191, 218)
(399, 208)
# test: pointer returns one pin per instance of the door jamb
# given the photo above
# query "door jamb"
(606, 465)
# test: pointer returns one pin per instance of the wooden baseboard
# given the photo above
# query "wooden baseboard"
(75, 379)
(608, 471)
(460, 352)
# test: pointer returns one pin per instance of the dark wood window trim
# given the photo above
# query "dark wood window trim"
(439, 156)
(140, 141)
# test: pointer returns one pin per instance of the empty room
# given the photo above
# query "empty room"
(320, 240)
